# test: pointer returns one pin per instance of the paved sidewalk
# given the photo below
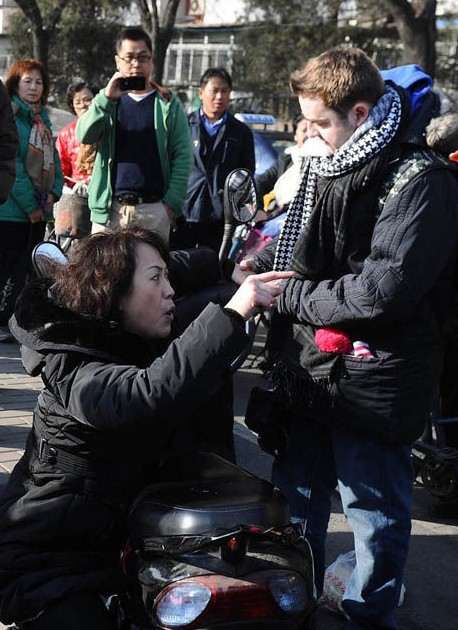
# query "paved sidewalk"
(18, 395)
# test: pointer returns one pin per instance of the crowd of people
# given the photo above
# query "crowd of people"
(359, 282)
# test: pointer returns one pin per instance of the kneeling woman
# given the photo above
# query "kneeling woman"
(112, 409)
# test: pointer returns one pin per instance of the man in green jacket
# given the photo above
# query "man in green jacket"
(144, 151)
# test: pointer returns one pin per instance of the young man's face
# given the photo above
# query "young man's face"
(215, 97)
(326, 124)
(134, 59)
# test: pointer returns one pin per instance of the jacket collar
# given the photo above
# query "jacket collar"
(45, 328)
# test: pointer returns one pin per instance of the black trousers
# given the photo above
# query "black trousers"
(189, 235)
(83, 611)
(17, 241)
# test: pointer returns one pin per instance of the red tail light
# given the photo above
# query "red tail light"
(212, 599)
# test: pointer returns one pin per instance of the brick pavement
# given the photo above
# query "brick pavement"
(18, 395)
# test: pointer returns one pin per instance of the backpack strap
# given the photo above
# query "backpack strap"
(408, 168)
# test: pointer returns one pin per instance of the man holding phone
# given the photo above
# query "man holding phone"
(144, 148)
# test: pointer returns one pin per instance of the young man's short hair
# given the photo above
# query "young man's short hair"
(340, 77)
(219, 73)
(135, 34)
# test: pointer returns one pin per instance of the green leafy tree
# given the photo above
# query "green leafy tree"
(288, 32)
(81, 46)
(43, 20)
(285, 36)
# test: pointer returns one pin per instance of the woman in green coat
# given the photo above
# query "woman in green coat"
(38, 182)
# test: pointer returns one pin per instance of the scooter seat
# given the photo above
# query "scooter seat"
(212, 494)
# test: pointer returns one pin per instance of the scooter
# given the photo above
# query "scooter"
(435, 458)
(210, 545)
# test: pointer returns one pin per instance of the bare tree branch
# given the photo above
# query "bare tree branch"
(31, 11)
(161, 33)
(56, 14)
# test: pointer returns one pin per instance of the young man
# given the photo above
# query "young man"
(355, 349)
(144, 150)
(221, 143)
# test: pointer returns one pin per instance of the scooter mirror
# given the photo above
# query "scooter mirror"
(239, 205)
(45, 256)
(240, 193)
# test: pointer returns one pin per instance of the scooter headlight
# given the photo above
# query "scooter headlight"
(290, 592)
(181, 604)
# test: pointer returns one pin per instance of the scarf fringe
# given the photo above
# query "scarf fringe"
(297, 392)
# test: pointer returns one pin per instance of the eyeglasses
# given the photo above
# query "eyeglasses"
(142, 58)
(82, 101)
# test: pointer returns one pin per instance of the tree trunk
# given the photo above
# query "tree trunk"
(416, 24)
(40, 39)
(161, 31)
(41, 34)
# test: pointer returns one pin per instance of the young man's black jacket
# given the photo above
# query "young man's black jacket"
(214, 158)
(393, 296)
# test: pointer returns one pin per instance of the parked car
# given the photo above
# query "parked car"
(268, 143)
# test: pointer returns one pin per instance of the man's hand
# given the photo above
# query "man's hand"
(242, 270)
(113, 90)
(258, 292)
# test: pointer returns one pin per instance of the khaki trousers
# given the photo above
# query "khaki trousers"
(152, 216)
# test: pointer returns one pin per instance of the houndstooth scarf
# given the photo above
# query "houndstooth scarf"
(369, 139)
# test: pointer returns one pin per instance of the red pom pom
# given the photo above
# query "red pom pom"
(329, 340)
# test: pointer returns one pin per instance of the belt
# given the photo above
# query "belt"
(132, 199)
(67, 462)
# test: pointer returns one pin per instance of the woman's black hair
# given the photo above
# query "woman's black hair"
(76, 87)
(100, 271)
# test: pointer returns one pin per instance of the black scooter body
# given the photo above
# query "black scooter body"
(181, 528)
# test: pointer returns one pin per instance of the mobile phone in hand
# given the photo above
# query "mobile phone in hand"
(128, 84)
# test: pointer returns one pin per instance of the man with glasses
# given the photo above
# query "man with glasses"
(144, 149)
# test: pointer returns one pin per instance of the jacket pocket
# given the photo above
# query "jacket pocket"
(387, 397)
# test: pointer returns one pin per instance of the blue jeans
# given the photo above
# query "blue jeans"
(376, 486)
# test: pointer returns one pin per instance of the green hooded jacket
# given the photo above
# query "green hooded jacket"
(98, 125)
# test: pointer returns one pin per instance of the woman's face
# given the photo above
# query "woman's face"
(82, 100)
(148, 309)
(30, 87)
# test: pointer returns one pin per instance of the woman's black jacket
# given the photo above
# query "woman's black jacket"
(109, 414)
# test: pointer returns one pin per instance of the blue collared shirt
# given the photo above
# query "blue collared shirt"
(212, 128)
